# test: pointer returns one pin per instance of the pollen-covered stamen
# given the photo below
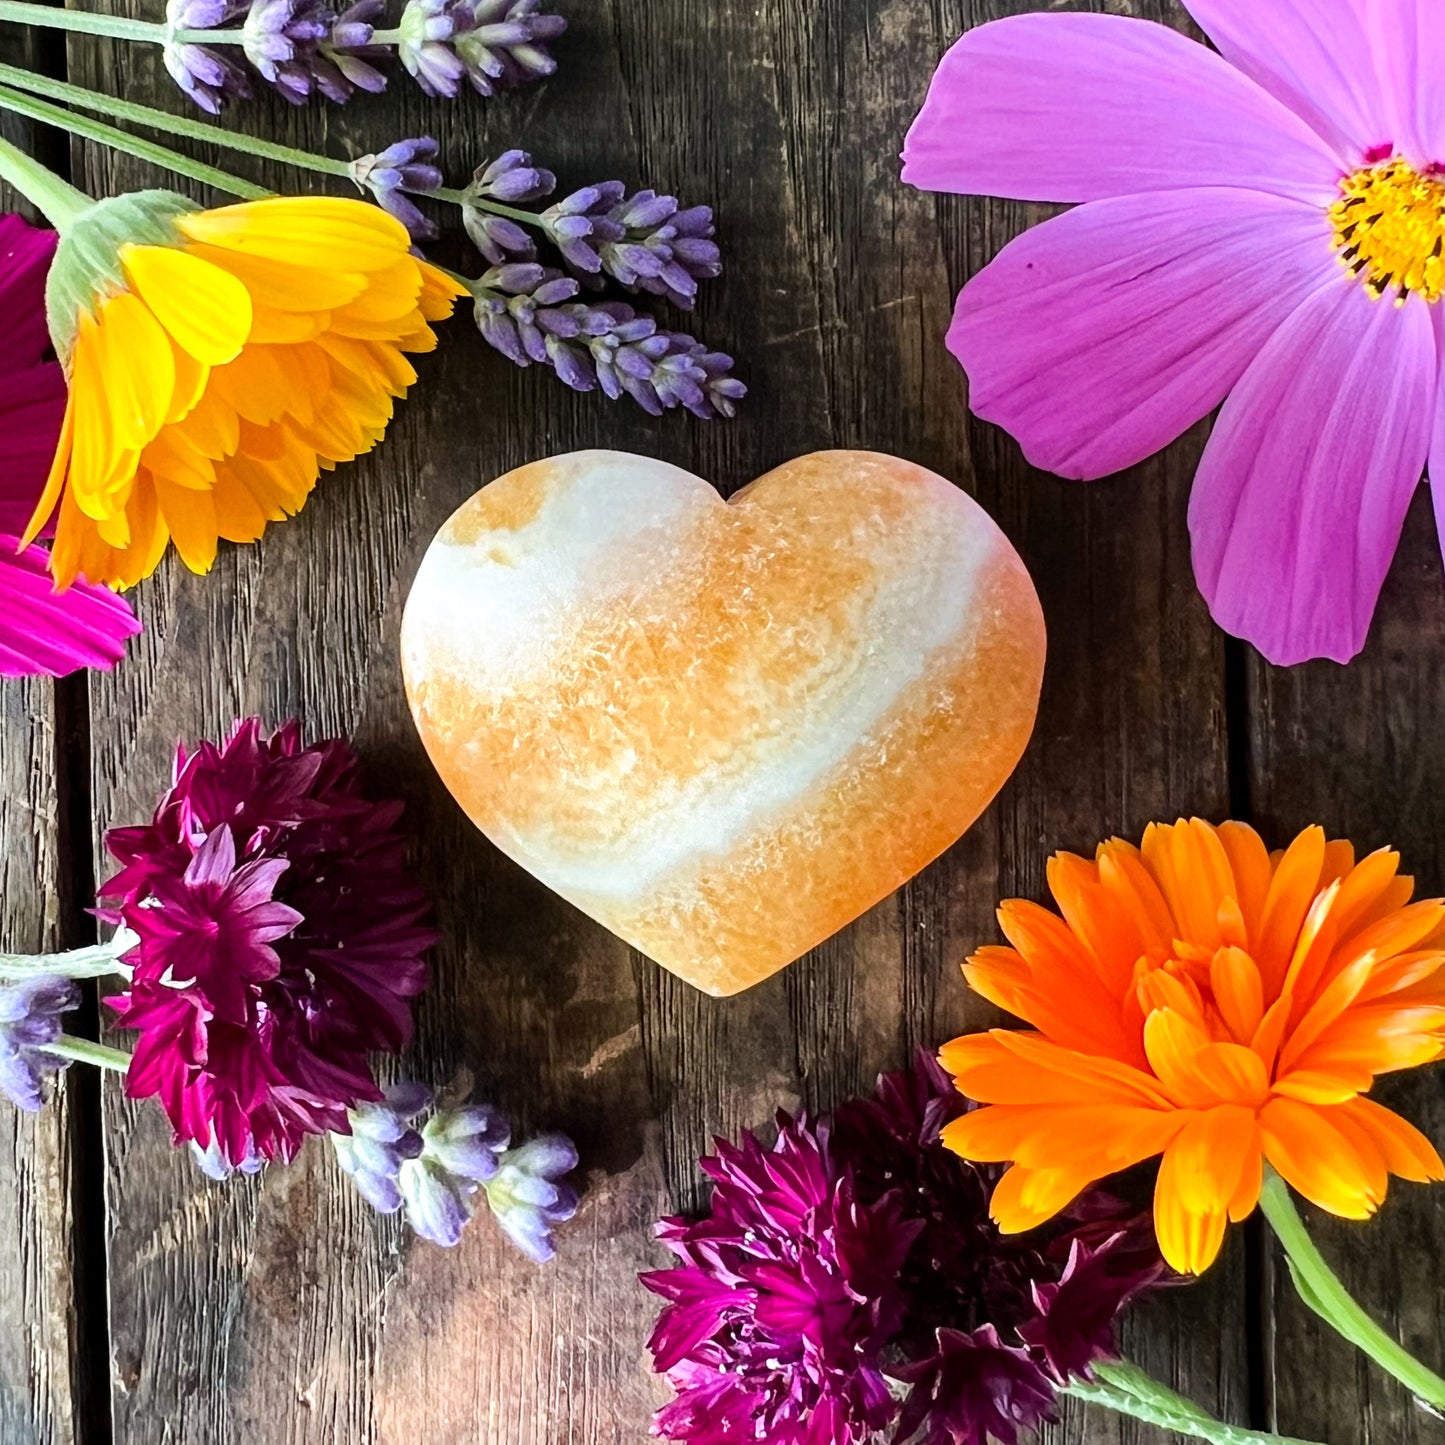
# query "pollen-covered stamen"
(1389, 226)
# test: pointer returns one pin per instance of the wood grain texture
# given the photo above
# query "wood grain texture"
(1358, 750)
(37, 1337)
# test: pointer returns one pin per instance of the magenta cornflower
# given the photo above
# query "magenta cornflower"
(848, 1281)
(41, 630)
(1263, 227)
(281, 942)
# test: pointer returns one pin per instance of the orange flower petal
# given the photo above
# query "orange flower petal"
(1405, 1150)
(1320, 1160)
(1213, 1154)
(1025, 1198)
(1292, 891)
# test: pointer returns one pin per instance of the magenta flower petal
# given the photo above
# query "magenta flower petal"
(44, 631)
(1411, 52)
(1302, 492)
(1100, 336)
(1079, 107)
(1314, 55)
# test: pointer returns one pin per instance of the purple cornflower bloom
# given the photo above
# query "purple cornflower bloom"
(503, 42)
(979, 1330)
(527, 1196)
(30, 1018)
(381, 1140)
(405, 166)
(203, 73)
(786, 1296)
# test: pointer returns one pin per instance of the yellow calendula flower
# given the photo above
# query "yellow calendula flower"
(217, 361)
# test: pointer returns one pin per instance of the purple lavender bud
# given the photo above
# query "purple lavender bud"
(402, 167)
(214, 1164)
(30, 1018)
(527, 1196)
(427, 29)
(438, 1205)
(581, 223)
(502, 42)
(381, 1141)
(345, 61)
(496, 237)
(512, 178)
(662, 250)
(460, 1153)
(207, 77)
(514, 309)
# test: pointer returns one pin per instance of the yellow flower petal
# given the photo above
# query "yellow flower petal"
(325, 232)
(204, 307)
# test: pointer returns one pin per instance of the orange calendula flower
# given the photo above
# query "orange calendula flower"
(217, 361)
(1204, 1000)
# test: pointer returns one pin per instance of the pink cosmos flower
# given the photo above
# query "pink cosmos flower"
(1262, 228)
(41, 630)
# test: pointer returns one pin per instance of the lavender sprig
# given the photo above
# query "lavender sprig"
(645, 242)
(438, 1171)
(529, 314)
(395, 175)
(30, 1019)
(304, 47)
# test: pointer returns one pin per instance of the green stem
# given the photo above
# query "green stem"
(181, 125)
(117, 27)
(1321, 1290)
(101, 960)
(109, 135)
(85, 1051)
(1128, 1390)
(386, 37)
(57, 200)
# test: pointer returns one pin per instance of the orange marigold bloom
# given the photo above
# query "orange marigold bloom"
(217, 361)
(1205, 1000)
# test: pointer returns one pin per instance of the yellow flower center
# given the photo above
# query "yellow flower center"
(1389, 226)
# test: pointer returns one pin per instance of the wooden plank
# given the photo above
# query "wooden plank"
(37, 1333)
(1358, 749)
(40, 1373)
(280, 1309)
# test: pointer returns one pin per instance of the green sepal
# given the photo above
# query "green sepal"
(87, 268)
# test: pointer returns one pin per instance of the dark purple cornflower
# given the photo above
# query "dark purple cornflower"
(280, 942)
(785, 1300)
(977, 1330)
(207, 76)
(404, 167)
(30, 1018)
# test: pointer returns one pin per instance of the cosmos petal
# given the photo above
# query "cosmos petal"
(1079, 107)
(1302, 492)
(1098, 337)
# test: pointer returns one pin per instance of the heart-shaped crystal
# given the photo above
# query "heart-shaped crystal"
(723, 729)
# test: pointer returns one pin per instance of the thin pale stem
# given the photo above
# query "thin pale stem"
(1321, 1290)
(100, 960)
(117, 27)
(1128, 1390)
(56, 199)
(109, 135)
(386, 37)
(144, 115)
(86, 1051)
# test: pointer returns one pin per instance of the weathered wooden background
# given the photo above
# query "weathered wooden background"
(143, 1304)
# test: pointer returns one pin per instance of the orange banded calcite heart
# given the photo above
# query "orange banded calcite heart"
(723, 730)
